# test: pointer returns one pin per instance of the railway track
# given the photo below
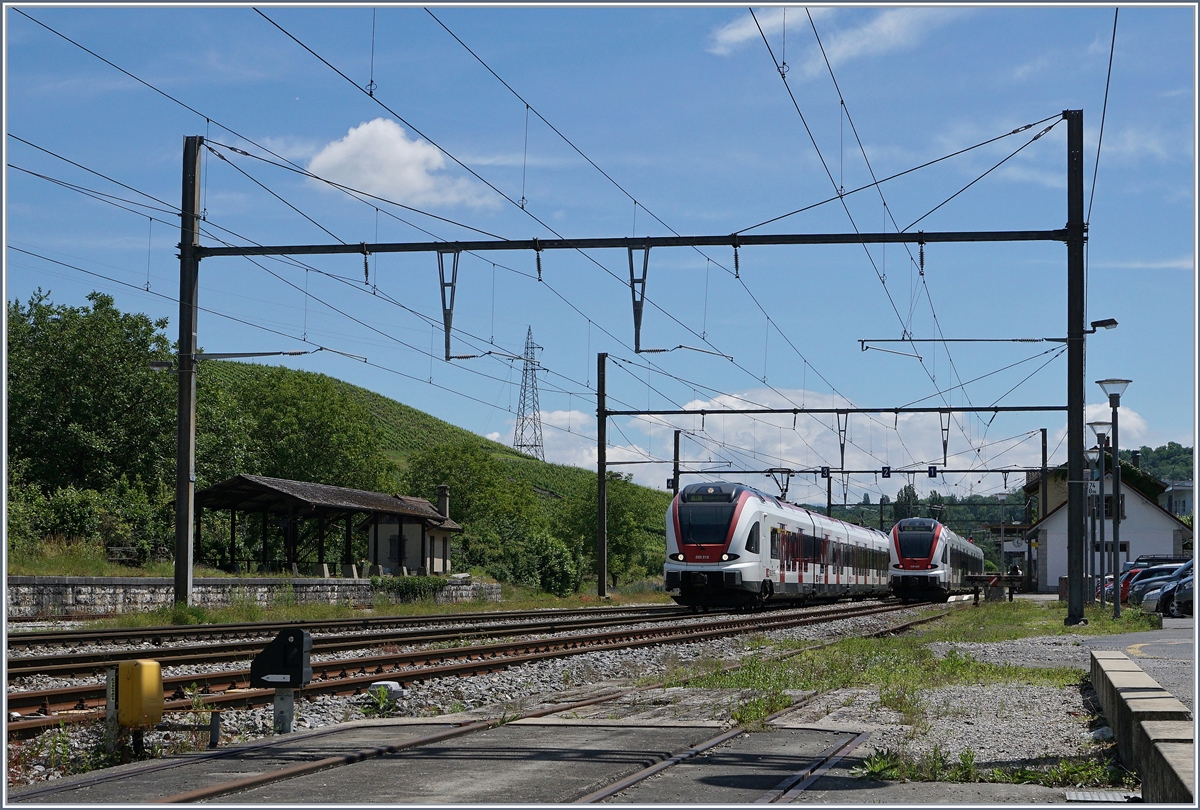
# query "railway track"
(42, 709)
(157, 636)
(76, 665)
(785, 791)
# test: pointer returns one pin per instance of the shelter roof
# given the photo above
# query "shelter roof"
(257, 493)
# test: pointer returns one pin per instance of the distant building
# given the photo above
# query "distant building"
(1177, 499)
(1146, 528)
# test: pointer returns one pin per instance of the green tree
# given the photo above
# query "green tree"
(635, 521)
(83, 405)
(504, 525)
(304, 429)
(1170, 462)
(907, 502)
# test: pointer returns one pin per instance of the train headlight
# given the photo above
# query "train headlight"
(728, 557)
(677, 557)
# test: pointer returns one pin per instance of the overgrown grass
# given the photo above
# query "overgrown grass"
(1101, 770)
(285, 609)
(58, 558)
(1006, 621)
(900, 668)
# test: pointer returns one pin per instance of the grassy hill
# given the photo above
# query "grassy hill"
(406, 431)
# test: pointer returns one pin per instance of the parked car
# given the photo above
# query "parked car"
(1181, 605)
(1167, 594)
(1150, 600)
(1126, 579)
(1148, 579)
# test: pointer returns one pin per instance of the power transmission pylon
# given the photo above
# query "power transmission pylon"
(528, 438)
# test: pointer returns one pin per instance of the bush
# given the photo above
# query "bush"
(408, 589)
(76, 514)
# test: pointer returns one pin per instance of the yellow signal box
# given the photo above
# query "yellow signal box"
(139, 693)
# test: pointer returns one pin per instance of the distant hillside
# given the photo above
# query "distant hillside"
(406, 430)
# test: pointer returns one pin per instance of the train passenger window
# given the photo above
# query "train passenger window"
(752, 540)
(774, 544)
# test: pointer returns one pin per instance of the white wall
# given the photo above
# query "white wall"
(1145, 529)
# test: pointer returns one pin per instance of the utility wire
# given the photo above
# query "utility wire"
(528, 107)
(494, 188)
(1103, 113)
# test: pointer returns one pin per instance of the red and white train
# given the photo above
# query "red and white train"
(729, 545)
(930, 562)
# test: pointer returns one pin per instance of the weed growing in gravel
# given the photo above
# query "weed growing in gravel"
(900, 668)
(1101, 770)
(380, 703)
(751, 713)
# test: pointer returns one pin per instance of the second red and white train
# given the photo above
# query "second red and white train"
(729, 545)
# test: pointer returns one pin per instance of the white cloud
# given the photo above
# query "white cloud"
(871, 443)
(493, 436)
(1134, 144)
(892, 30)
(1182, 263)
(724, 39)
(378, 157)
(1132, 425)
(1031, 68)
(289, 146)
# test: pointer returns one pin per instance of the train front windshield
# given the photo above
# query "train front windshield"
(916, 544)
(705, 523)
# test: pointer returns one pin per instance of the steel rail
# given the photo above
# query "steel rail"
(257, 780)
(83, 664)
(220, 632)
(214, 791)
(83, 704)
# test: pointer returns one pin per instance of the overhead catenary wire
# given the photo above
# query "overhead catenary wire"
(244, 138)
(494, 188)
(581, 312)
(528, 107)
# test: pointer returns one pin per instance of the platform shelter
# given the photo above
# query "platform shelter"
(405, 534)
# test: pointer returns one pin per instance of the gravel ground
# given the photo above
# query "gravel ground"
(1002, 724)
(52, 754)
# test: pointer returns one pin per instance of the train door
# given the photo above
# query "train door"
(775, 564)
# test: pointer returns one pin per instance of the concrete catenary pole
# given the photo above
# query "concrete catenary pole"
(1076, 292)
(601, 480)
(185, 435)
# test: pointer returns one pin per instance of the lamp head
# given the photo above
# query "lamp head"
(1106, 323)
(161, 365)
(1093, 454)
(1114, 388)
(1101, 429)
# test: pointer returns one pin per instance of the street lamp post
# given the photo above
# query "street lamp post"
(1093, 456)
(1114, 388)
(1101, 430)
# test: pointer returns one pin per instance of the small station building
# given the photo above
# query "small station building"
(405, 535)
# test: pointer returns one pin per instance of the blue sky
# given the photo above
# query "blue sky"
(685, 112)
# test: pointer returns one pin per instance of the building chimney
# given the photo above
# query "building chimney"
(1136, 456)
(443, 505)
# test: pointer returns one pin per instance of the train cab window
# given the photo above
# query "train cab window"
(752, 540)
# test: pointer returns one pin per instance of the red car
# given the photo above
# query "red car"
(1126, 580)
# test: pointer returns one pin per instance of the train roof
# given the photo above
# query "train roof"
(728, 492)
